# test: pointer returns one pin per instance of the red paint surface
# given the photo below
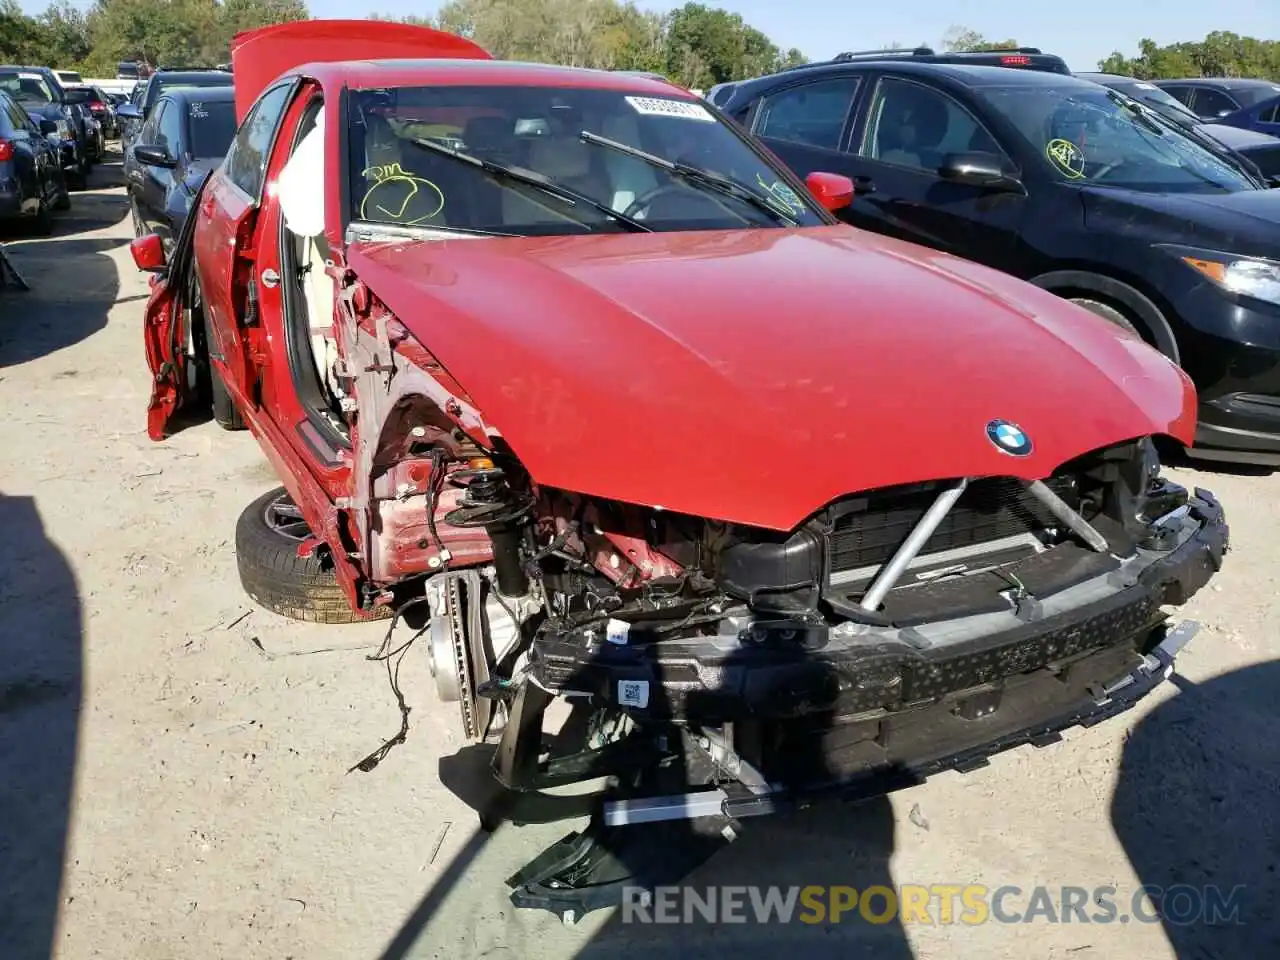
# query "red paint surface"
(757, 375)
(260, 56)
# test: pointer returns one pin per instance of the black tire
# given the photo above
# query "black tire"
(224, 409)
(272, 573)
(42, 223)
(63, 202)
(1108, 313)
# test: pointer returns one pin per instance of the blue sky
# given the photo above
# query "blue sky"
(1083, 31)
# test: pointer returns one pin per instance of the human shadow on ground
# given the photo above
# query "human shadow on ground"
(1197, 807)
(40, 693)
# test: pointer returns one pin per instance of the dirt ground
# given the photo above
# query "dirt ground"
(173, 761)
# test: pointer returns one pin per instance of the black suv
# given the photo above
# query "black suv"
(1069, 185)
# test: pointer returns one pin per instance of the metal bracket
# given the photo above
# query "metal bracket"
(1157, 665)
(1062, 511)
(892, 571)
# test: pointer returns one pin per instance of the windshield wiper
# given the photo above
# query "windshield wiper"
(532, 179)
(1152, 121)
(697, 177)
(1137, 110)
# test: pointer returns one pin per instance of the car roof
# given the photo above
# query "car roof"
(970, 75)
(457, 71)
(1225, 83)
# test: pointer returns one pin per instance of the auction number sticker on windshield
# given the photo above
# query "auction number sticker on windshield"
(1067, 157)
(659, 107)
(198, 112)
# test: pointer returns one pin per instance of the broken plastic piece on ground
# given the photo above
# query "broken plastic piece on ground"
(589, 870)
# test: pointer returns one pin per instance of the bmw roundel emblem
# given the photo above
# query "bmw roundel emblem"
(1009, 438)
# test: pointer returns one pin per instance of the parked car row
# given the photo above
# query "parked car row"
(582, 371)
(54, 127)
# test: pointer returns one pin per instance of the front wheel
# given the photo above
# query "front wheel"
(1108, 313)
(302, 588)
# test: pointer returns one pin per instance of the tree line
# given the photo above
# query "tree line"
(695, 45)
(1220, 54)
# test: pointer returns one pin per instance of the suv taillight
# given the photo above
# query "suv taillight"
(97, 105)
(6, 150)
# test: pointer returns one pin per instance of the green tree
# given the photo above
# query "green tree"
(21, 37)
(962, 40)
(1220, 54)
(65, 34)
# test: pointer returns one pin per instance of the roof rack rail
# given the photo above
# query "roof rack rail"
(900, 51)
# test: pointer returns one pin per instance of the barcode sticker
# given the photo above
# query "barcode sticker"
(661, 107)
(616, 631)
(633, 693)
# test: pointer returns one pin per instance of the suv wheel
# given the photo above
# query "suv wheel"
(1107, 312)
(302, 588)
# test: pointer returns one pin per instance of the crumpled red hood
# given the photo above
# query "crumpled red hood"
(755, 376)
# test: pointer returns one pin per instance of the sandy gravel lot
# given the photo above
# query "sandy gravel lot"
(173, 761)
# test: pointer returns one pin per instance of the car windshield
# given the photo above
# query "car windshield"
(1163, 103)
(26, 87)
(79, 95)
(1094, 135)
(211, 126)
(622, 167)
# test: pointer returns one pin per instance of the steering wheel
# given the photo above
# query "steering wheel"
(645, 199)
(1106, 168)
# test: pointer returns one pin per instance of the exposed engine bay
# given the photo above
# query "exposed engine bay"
(713, 667)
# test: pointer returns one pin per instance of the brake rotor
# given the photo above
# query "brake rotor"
(456, 653)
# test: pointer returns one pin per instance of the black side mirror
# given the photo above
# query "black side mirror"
(152, 156)
(978, 169)
(48, 127)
